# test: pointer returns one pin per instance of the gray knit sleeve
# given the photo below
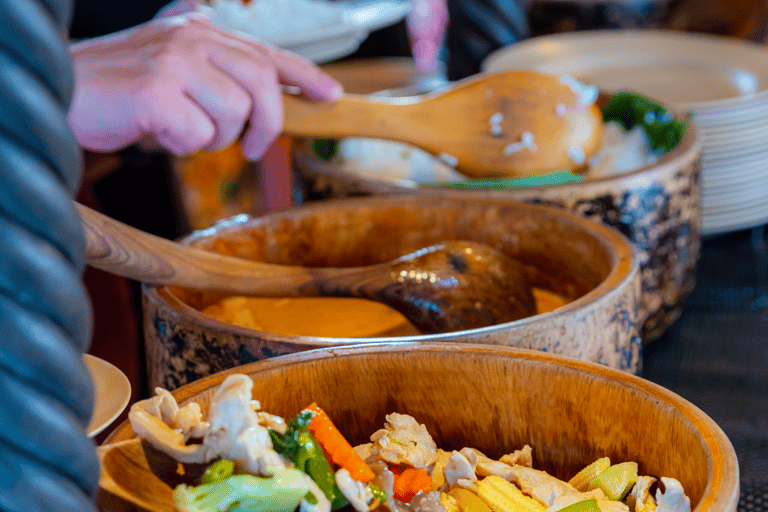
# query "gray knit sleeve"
(46, 460)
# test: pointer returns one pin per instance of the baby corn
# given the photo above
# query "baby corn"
(503, 496)
(581, 480)
(449, 502)
(468, 501)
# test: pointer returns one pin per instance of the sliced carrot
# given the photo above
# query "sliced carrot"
(409, 481)
(336, 446)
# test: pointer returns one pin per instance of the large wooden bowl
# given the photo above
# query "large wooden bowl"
(590, 264)
(495, 399)
(657, 207)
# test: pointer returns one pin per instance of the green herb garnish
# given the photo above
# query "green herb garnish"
(632, 109)
(325, 148)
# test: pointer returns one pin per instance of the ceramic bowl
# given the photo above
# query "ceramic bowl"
(591, 265)
(657, 206)
(495, 399)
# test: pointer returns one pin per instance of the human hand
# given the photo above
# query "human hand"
(187, 84)
(426, 23)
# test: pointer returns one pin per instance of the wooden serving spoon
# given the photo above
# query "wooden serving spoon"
(513, 123)
(448, 287)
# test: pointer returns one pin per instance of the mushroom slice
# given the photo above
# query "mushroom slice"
(235, 432)
(521, 457)
(540, 485)
(639, 498)
(486, 466)
(358, 493)
(673, 499)
(168, 428)
(459, 467)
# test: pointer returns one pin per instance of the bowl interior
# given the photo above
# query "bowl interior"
(495, 399)
(560, 251)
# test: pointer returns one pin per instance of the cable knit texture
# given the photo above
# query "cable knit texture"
(46, 396)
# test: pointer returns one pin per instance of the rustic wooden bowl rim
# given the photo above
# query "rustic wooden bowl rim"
(623, 254)
(721, 492)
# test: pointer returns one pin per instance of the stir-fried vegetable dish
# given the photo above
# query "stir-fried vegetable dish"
(258, 462)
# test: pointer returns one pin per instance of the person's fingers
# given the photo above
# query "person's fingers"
(291, 68)
(225, 102)
(176, 122)
(426, 24)
(258, 77)
(297, 71)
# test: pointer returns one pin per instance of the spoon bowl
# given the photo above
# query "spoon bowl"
(446, 287)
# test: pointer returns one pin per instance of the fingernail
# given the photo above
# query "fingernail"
(331, 88)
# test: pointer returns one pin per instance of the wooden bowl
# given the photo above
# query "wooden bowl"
(590, 264)
(657, 207)
(495, 399)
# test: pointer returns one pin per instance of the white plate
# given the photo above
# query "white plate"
(315, 29)
(113, 391)
(738, 200)
(745, 143)
(736, 129)
(684, 70)
(728, 156)
(717, 226)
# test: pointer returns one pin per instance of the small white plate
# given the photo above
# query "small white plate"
(684, 70)
(315, 29)
(113, 391)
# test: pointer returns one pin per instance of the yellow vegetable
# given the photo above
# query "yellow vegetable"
(438, 477)
(468, 501)
(616, 481)
(503, 496)
(581, 480)
(449, 502)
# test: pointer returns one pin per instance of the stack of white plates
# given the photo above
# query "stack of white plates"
(722, 82)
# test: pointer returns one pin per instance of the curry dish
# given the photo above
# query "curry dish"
(331, 317)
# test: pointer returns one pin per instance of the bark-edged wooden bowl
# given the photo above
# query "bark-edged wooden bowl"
(590, 264)
(495, 399)
(657, 206)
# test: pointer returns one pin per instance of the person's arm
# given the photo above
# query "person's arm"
(46, 395)
(187, 84)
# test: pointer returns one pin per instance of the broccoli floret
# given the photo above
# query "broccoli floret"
(245, 493)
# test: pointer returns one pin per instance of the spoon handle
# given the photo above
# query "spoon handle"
(122, 250)
(350, 116)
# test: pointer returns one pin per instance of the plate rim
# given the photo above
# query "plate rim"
(119, 406)
(649, 37)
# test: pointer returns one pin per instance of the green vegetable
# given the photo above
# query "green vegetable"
(218, 471)
(616, 481)
(299, 445)
(378, 492)
(632, 109)
(325, 148)
(245, 493)
(582, 506)
(553, 178)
